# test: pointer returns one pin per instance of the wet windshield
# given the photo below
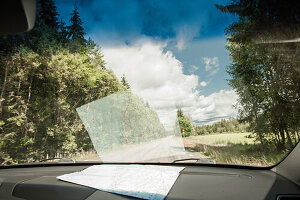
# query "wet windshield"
(152, 81)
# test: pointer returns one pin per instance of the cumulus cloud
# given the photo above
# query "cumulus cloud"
(157, 77)
(211, 64)
(192, 69)
(203, 83)
(185, 34)
(214, 107)
(126, 31)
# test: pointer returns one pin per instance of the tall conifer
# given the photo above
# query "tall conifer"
(47, 14)
(76, 31)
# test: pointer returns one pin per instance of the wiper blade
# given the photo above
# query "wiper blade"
(198, 160)
(61, 160)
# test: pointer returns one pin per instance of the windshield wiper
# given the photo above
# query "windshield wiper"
(61, 160)
(198, 160)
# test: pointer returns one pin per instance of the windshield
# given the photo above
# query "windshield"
(152, 81)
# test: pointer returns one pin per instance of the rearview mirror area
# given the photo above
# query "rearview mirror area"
(17, 16)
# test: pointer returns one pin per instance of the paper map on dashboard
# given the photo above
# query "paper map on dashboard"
(142, 181)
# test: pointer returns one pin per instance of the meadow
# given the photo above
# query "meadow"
(234, 148)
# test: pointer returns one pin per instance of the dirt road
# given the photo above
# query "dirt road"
(165, 149)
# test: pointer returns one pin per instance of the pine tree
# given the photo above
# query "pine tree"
(184, 123)
(180, 113)
(147, 104)
(47, 14)
(90, 43)
(63, 31)
(76, 31)
(124, 82)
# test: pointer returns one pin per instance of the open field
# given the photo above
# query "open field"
(223, 139)
(233, 148)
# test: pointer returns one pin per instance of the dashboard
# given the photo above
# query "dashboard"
(194, 182)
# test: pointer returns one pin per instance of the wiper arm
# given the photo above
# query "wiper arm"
(61, 160)
(198, 160)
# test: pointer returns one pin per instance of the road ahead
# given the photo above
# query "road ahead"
(161, 150)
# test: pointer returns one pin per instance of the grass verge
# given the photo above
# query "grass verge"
(234, 148)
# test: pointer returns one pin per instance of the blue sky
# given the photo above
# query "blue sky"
(188, 37)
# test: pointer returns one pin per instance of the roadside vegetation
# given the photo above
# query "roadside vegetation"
(229, 141)
(234, 148)
(265, 74)
(265, 70)
(45, 74)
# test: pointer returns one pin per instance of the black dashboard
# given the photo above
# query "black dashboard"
(194, 182)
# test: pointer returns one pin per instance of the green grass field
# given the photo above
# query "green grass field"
(233, 148)
(223, 139)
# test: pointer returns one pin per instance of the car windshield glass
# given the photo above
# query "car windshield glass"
(202, 81)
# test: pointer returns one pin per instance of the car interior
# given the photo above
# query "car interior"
(207, 181)
(196, 181)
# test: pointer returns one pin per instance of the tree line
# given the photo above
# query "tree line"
(265, 68)
(232, 125)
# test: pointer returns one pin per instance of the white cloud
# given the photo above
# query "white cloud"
(203, 83)
(185, 34)
(211, 64)
(192, 69)
(158, 78)
(215, 106)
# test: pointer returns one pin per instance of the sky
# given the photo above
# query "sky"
(172, 52)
